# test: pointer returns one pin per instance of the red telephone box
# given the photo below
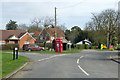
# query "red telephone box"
(59, 45)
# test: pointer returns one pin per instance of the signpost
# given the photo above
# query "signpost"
(15, 51)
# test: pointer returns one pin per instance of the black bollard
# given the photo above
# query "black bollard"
(13, 53)
(17, 54)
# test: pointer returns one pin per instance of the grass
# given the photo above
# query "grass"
(9, 65)
(102, 49)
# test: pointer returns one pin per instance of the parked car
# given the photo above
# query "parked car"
(118, 47)
(32, 47)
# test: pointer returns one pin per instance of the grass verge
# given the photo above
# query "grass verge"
(9, 65)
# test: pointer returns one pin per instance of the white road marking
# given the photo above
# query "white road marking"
(83, 70)
(52, 57)
(81, 67)
(77, 61)
(81, 56)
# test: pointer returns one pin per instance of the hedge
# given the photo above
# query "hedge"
(78, 46)
(93, 47)
(9, 46)
(86, 46)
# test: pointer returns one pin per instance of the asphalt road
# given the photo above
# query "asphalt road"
(86, 64)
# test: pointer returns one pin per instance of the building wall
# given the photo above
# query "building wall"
(24, 39)
(2, 42)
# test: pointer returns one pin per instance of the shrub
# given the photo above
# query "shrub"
(78, 46)
(86, 46)
(93, 47)
(67, 47)
(9, 46)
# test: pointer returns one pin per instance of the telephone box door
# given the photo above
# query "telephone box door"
(58, 45)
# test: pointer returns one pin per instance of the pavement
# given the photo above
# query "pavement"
(86, 64)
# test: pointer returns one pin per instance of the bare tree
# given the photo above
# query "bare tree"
(43, 22)
(23, 27)
(104, 22)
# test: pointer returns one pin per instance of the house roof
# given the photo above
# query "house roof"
(6, 34)
(51, 31)
(36, 33)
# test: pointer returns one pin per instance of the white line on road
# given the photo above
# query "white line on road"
(52, 57)
(77, 61)
(81, 67)
(83, 70)
(81, 56)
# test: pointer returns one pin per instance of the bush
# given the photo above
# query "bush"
(93, 47)
(9, 46)
(67, 47)
(78, 46)
(86, 46)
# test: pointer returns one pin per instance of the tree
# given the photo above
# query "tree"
(23, 27)
(43, 22)
(76, 34)
(104, 26)
(62, 27)
(11, 25)
(32, 29)
(67, 34)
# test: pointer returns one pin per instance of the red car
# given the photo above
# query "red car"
(34, 48)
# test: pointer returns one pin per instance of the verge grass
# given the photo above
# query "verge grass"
(9, 65)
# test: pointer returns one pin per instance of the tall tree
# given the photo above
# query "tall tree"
(23, 27)
(104, 25)
(43, 22)
(75, 34)
(11, 25)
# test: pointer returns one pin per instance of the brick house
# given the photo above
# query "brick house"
(16, 37)
(36, 35)
(48, 34)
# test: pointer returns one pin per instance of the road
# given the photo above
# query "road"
(86, 64)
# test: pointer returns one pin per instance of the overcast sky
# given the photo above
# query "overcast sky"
(69, 12)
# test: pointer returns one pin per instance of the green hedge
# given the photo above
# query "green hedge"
(78, 46)
(9, 46)
(93, 47)
(86, 46)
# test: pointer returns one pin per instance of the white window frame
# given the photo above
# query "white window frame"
(11, 42)
(27, 42)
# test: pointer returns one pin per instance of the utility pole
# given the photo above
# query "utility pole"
(108, 38)
(55, 24)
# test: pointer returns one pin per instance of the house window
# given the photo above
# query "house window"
(26, 42)
(2, 42)
(11, 42)
(52, 37)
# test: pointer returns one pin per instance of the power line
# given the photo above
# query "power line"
(71, 5)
